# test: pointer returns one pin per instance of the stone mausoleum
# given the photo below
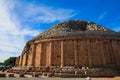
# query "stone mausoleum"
(74, 47)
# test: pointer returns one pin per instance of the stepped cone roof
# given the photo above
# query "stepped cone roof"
(76, 28)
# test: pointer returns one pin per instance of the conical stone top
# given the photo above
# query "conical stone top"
(75, 28)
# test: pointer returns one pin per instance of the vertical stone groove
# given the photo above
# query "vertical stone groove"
(62, 54)
(50, 54)
(75, 52)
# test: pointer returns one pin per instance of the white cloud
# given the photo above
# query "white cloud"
(5, 56)
(45, 14)
(12, 35)
(102, 15)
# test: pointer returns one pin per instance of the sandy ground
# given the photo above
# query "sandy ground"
(116, 78)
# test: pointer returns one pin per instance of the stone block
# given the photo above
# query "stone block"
(49, 75)
(28, 76)
(9, 75)
(44, 74)
(2, 75)
(65, 75)
(35, 75)
(19, 75)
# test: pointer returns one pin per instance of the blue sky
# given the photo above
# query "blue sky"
(20, 20)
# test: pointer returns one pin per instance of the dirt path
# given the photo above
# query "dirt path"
(116, 78)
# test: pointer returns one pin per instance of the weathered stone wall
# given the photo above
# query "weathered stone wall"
(56, 53)
(24, 60)
(72, 52)
(116, 52)
(38, 55)
(45, 53)
(17, 61)
(31, 56)
(82, 52)
(94, 52)
(68, 53)
(21, 60)
(29, 60)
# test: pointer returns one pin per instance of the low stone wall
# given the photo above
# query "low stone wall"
(2, 74)
(64, 72)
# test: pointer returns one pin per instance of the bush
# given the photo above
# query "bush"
(10, 62)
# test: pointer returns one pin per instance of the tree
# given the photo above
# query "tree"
(10, 62)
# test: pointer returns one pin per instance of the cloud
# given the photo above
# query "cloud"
(102, 15)
(13, 30)
(12, 33)
(5, 55)
(44, 14)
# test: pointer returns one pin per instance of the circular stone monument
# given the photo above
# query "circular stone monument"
(75, 43)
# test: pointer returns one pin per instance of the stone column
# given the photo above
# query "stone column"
(62, 54)
(41, 54)
(21, 60)
(102, 52)
(33, 55)
(26, 59)
(89, 53)
(114, 45)
(17, 61)
(50, 54)
(111, 53)
(75, 53)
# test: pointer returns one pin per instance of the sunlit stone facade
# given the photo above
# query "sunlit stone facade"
(87, 45)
